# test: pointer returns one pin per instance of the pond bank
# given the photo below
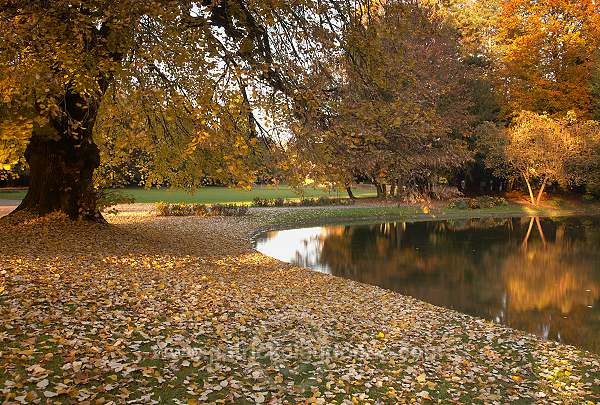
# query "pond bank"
(279, 218)
(183, 310)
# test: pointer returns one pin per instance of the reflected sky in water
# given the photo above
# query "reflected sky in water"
(535, 274)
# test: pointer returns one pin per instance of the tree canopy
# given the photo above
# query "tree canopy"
(547, 52)
(397, 109)
(170, 77)
(178, 93)
(538, 148)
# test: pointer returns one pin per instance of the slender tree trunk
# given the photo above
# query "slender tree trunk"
(394, 188)
(379, 189)
(541, 192)
(530, 190)
(350, 193)
(62, 158)
(511, 185)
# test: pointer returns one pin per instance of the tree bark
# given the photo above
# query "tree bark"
(394, 188)
(62, 158)
(383, 193)
(379, 189)
(350, 193)
(61, 173)
(61, 154)
(541, 192)
(530, 190)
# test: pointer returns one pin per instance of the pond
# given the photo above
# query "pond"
(538, 275)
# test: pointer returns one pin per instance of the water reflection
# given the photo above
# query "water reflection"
(538, 275)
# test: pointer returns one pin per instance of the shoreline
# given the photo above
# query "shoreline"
(290, 218)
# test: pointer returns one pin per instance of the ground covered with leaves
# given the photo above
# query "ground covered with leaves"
(182, 310)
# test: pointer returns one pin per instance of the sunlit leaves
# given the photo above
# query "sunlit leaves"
(15, 130)
(186, 68)
(539, 147)
(546, 52)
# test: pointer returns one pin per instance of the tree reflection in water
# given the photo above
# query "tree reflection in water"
(538, 275)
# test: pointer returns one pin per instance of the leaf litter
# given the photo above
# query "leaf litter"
(182, 310)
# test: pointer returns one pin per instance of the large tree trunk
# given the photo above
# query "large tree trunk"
(61, 154)
(62, 158)
(61, 174)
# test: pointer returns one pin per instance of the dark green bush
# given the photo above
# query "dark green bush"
(477, 203)
(200, 210)
(303, 202)
(227, 210)
(460, 204)
(588, 197)
(109, 198)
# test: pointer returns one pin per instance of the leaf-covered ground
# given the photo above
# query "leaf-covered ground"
(182, 310)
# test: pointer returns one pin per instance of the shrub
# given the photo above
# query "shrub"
(320, 202)
(227, 210)
(200, 210)
(174, 210)
(260, 202)
(460, 203)
(444, 192)
(588, 197)
(108, 198)
(162, 209)
(485, 202)
(303, 202)
(479, 202)
(306, 202)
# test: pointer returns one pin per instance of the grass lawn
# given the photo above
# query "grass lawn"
(213, 195)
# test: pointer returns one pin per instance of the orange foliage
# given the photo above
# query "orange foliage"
(546, 54)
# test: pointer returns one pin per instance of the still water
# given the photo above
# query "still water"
(539, 275)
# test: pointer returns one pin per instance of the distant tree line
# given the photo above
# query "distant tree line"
(480, 94)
